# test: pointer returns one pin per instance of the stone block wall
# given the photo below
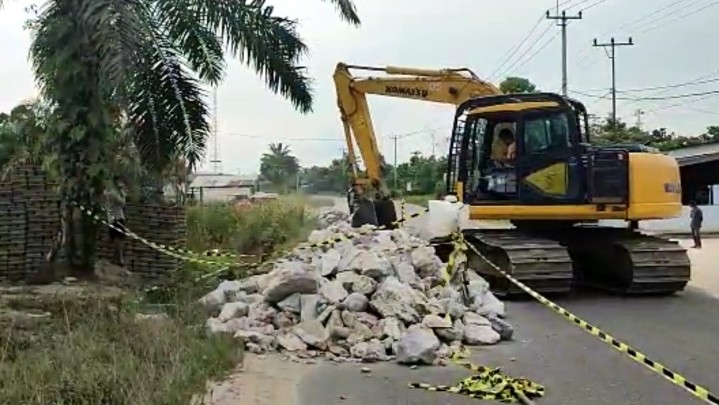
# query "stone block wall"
(160, 223)
(30, 219)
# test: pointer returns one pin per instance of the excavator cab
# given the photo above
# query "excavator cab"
(552, 161)
(554, 189)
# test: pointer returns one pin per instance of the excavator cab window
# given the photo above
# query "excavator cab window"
(546, 132)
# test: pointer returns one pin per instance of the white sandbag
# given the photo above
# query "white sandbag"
(442, 219)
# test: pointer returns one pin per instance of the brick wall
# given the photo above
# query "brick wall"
(30, 218)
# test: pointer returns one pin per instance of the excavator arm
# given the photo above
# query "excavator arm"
(446, 86)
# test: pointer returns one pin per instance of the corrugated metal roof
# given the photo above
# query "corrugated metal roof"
(692, 155)
(221, 180)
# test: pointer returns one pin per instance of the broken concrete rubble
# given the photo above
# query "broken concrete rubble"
(370, 297)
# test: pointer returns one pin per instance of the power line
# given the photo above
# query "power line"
(335, 139)
(681, 17)
(286, 139)
(696, 79)
(589, 55)
(668, 14)
(668, 86)
(537, 51)
(509, 69)
(596, 3)
(680, 104)
(701, 93)
(645, 16)
(676, 96)
(571, 6)
(507, 57)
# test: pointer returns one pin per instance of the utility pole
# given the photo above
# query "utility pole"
(562, 20)
(638, 113)
(395, 138)
(216, 162)
(612, 44)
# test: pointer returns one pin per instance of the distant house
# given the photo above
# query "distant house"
(207, 187)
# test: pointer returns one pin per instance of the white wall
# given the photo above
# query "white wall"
(222, 194)
(680, 224)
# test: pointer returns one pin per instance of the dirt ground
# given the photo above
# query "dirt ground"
(705, 264)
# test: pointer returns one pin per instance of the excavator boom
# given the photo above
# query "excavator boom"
(446, 86)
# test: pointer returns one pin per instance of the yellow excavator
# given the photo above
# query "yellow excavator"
(528, 158)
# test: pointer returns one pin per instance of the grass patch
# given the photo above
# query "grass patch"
(94, 350)
(316, 201)
(89, 347)
(420, 199)
(257, 229)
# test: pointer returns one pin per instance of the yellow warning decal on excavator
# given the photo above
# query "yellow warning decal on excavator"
(552, 180)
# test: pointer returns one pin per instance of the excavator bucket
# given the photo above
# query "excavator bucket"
(380, 212)
(386, 213)
(364, 214)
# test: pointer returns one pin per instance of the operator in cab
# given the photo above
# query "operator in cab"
(501, 181)
(505, 150)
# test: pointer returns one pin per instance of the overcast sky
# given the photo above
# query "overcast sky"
(672, 46)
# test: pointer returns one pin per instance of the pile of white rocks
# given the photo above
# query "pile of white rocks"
(376, 296)
(329, 216)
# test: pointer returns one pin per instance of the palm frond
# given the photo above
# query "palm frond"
(167, 111)
(198, 44)
(271, 45)
(347, 11)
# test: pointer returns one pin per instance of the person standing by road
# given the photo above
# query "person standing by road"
(115, 206)
(696, 217)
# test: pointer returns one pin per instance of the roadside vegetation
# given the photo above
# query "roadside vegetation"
(421, 199)
(131, 103)
(88, 344)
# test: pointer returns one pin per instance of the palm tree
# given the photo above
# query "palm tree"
(143, 64)
(279, 166)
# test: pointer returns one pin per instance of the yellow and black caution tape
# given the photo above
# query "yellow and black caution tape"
(161, 247)
(225, 266)
(676, 378)
(488, 384)
(181, 254)
(334, 240)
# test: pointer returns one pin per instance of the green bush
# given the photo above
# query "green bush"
(257, 229)
(419, 199)
(103, 354)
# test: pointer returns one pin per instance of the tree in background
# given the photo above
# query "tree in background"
(514, 84)
(138, 68)
(23, 137)
(329, 179)
(279, 167)
(609, 132)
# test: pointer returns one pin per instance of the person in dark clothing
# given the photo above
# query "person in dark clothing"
(353, 194)
(115, 207)
(697, 217)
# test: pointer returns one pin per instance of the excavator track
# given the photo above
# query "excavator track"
(628, 262)
(541, 263)
(611, 259)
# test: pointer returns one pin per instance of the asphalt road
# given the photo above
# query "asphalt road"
(681, 332)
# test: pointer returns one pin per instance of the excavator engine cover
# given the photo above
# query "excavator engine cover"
(386, 213)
